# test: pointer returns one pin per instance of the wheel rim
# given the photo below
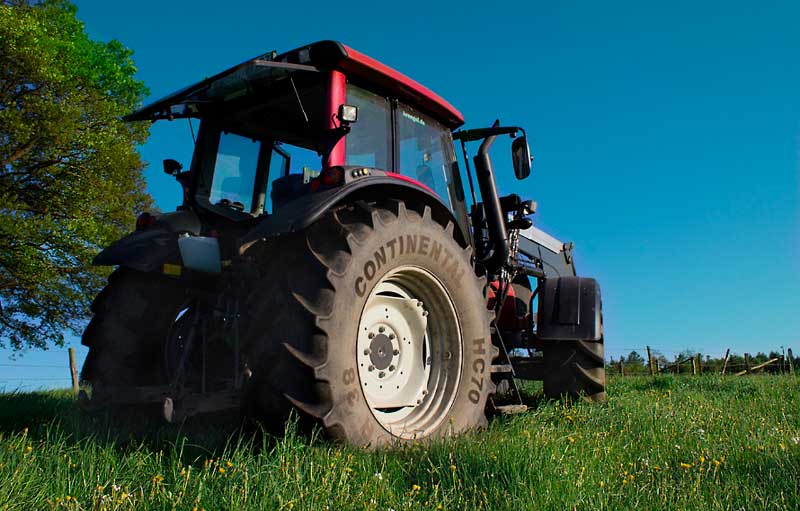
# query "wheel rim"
(409, 352)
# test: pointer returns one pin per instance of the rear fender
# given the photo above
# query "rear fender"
(149, 249)
(303, 211)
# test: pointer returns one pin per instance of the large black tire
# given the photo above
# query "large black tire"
(305, 319)
(575, 369)
(132, 318)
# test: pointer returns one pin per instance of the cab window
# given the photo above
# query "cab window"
(369, 141)
(425, 152)
(234, 174)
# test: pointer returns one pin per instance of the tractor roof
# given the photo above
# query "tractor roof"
(239, 81)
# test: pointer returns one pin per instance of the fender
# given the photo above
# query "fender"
(570, 308)
(300, 213)
(148, 250)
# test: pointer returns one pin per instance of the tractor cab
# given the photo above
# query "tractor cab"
(279, 127)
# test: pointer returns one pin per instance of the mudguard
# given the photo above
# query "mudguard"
(307, 209)
(149, 249)
(570, 308)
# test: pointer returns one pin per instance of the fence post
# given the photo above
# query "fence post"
(699, 363)
(678, 366)
(621, 368)
(725, 362)
(694, 366)
(73, 371)
(782, 367)
(791, 360)
(746, 363)
(650, 362)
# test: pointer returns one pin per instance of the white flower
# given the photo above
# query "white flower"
(379, 476)
(701, 431)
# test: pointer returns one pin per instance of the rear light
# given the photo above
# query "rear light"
(144, 221)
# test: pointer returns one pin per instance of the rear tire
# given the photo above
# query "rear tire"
(317, 326)
(132, 318)
(575, 369)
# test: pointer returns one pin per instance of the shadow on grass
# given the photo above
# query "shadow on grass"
(56, 414)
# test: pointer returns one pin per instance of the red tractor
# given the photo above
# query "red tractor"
(325, 261)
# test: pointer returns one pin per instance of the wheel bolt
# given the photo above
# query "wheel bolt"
(396, 352)
(381, 329)
(391, 336)
(381, 374)
(391, 368)
(371, 335)
(424, 392)
(419, 304)
(367, 352)
(424, 313)
(371, 368)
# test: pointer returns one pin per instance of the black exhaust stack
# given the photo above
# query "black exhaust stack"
(498, 236)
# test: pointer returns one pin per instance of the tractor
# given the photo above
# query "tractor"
(328, 262)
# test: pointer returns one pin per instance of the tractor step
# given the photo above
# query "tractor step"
(502, 368)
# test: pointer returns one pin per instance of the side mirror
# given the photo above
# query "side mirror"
(521, 156)
(173, 167)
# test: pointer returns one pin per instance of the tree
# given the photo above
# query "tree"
(70, 175)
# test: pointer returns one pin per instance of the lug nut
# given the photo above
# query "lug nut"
(419, 304)
(424, 313)
(381, 374)
(381, 329)
(371, 368)
(391, 368)
(424, 392)
(396, 352)
(366, 351)
(370, 335)
(391, 336)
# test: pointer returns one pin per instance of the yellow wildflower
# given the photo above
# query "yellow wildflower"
(453, 468)
(415, 487)
(348, 469)
(702, 459)
(602, 484)
(221, 470)
(716, 463)
(686, 465)
(229, 464)
(571, 440)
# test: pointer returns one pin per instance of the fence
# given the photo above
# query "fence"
(696, 365)
(44, 373)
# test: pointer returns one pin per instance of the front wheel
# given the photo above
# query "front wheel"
(372, 323)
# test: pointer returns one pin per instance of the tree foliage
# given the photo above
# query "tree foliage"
(70, 174)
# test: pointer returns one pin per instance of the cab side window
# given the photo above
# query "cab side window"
(425, 151)
(369, 142)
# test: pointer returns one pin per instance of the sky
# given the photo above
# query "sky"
(666, 138)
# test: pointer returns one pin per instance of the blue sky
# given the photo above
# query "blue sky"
(666, 137)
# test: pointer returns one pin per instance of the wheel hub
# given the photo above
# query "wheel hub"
(381, 352)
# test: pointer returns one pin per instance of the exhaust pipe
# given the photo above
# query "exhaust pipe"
(498, 236)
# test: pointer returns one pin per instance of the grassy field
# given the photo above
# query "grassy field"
(670, 443)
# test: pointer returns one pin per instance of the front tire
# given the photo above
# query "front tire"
(373, 324)
(575, 370)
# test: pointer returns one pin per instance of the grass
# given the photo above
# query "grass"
(669, 443)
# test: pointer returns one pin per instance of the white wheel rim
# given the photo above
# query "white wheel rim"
(409, 352)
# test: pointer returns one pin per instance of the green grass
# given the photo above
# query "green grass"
(670, 443)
